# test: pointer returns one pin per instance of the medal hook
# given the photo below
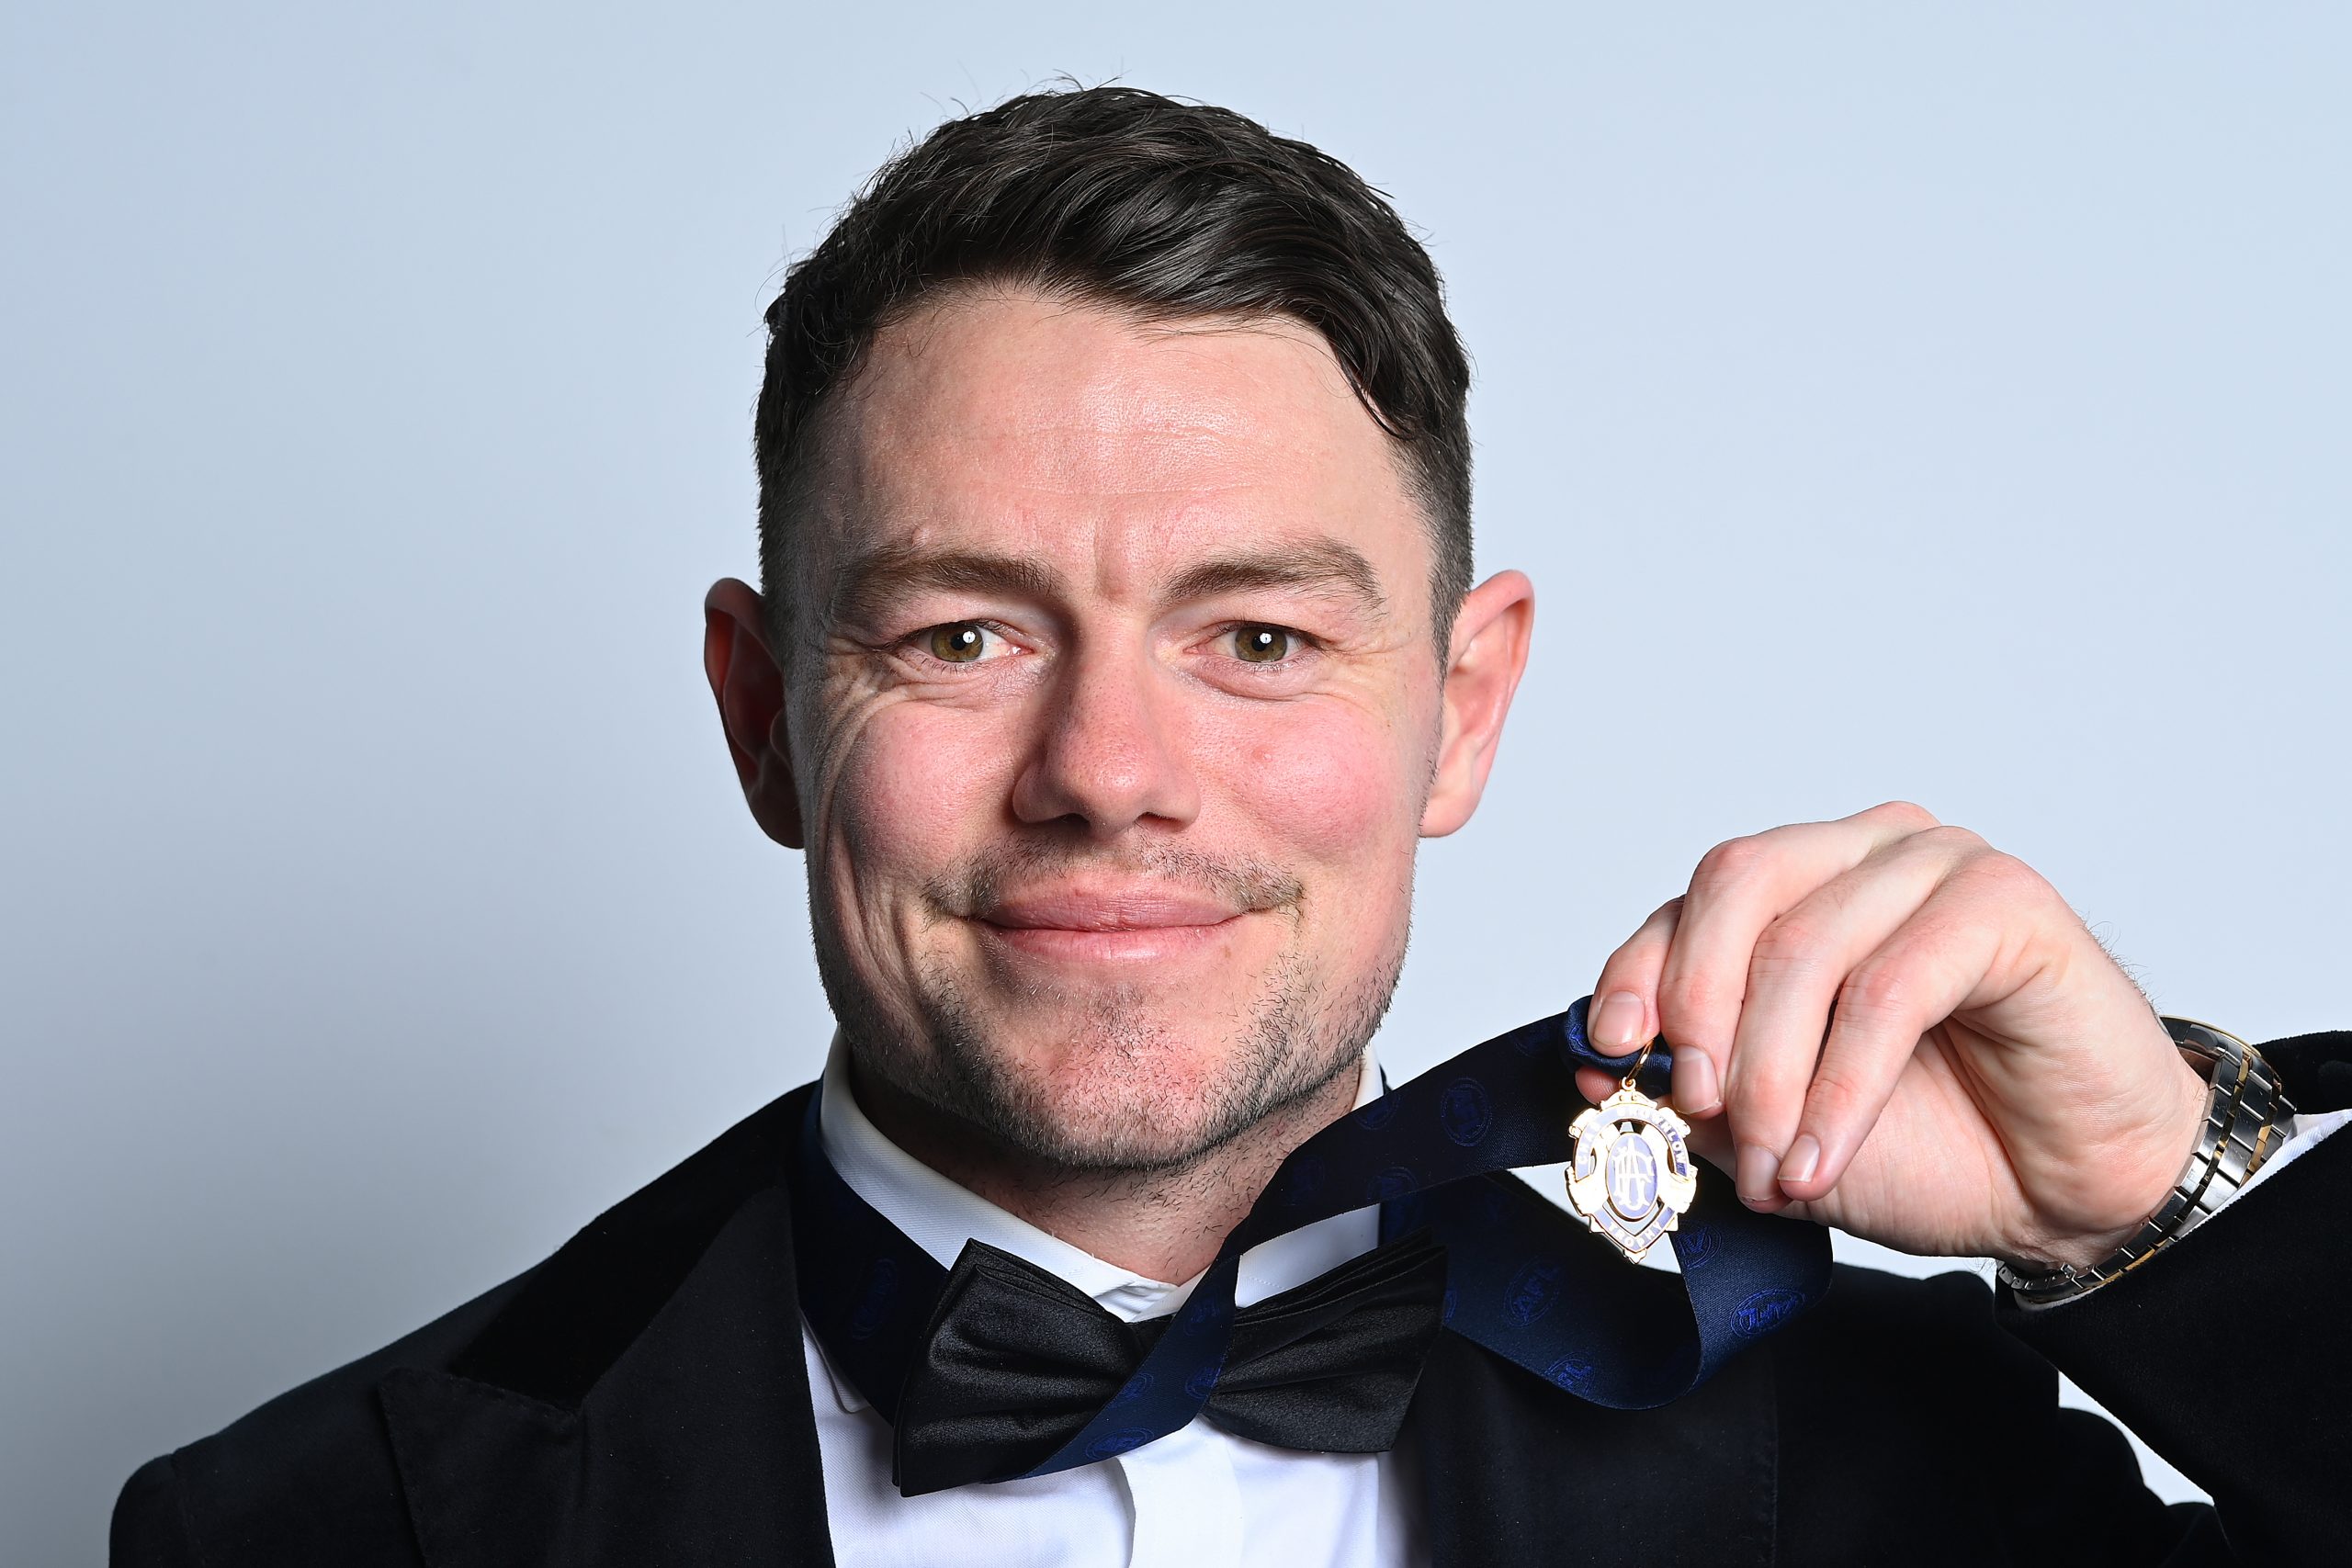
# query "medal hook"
(1632, 1074)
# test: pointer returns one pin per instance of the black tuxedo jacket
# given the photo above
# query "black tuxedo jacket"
(641, 1398)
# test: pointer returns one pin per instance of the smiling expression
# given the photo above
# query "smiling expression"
(1113, 710)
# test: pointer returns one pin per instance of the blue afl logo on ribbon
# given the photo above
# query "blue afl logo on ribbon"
(1111, 1445)
(1392, 1184)
(1531, 1041)
(1464, 1112)
(1378, 1114)
(1203, 1383)
(872, 1309)
(1138, 1386)
(1570, 1372)
(1534, 1291)
(1693, 1246)
(1766, 1311)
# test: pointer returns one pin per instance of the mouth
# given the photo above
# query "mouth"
(1109, 924)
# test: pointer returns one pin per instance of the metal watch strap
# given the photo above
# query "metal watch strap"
(2246, 1118)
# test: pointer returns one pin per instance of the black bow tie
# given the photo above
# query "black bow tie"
(995, 1369)
(1020, 1362)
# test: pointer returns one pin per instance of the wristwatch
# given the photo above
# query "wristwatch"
(2246, 1118)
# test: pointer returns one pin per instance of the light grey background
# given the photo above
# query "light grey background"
(1888, 401)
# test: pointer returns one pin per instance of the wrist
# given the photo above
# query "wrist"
(2170, 1150)
(2245, 1117)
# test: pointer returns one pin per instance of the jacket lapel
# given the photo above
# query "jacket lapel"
(644, 1398)
(1514, 1471)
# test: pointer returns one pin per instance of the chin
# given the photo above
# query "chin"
(1125, 1090)
(1130, 1086)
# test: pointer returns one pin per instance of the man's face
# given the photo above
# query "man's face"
(1113, 710)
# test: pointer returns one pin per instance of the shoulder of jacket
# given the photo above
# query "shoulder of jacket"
(307, 1477)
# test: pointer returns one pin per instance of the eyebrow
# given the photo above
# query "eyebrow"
(1326, 565)
(868, 584)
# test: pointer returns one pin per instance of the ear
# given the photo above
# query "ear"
(749, 683)
(1488, 654)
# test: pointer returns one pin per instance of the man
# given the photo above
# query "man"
(1117, 643)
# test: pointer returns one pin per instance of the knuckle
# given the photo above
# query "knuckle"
(1835, 1099)
(1875, 993)
(1688, 1008)
(1957, 841)
(1626, 961)
(1904, 814)
(1685, 997)
(1761, 1105)
(1734, 860)
(1790, 943)
(1640, 957)
(2003, 877)
(1654, 935)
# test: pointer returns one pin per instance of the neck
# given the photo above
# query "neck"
(1163, 1224)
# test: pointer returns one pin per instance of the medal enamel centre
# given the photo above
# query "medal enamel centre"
(1629, 1174)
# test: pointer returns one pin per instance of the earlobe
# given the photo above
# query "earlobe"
(1490, 643)
(748, 684)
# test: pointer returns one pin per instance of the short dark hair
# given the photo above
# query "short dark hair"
(1123, 197)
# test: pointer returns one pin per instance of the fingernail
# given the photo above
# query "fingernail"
(1617, 1022)
(1804, 1155)
(1695, 1090)
(1759, 1179)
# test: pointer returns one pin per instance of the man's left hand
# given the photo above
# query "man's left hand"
(1884, 1025)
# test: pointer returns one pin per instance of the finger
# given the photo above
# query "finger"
(1740, 887)
(1926, 970)
(1794, 975)
(1624, 1005)
(1624, 1008)
(1711, 1141)
(1595, 1085)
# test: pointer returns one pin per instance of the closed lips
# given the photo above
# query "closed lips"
(1107, 911)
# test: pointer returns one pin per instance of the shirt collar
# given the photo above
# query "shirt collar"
(940, 1216)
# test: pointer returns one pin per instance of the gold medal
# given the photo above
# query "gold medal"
(1630, 1176)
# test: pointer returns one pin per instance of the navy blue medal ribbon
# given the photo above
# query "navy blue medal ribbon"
(1523, 1278)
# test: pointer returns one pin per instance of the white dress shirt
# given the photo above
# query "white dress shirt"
(1199, 1497)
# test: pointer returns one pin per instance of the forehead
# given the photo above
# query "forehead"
(1020, 422)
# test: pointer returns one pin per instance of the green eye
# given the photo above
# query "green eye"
(958, 642)
(1262, 645)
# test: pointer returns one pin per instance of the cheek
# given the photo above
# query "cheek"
(1328, 784)
(917, 788)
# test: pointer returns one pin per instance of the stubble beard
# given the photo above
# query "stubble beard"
(1127, 1118)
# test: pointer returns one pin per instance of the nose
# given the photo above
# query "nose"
(1114, 751)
